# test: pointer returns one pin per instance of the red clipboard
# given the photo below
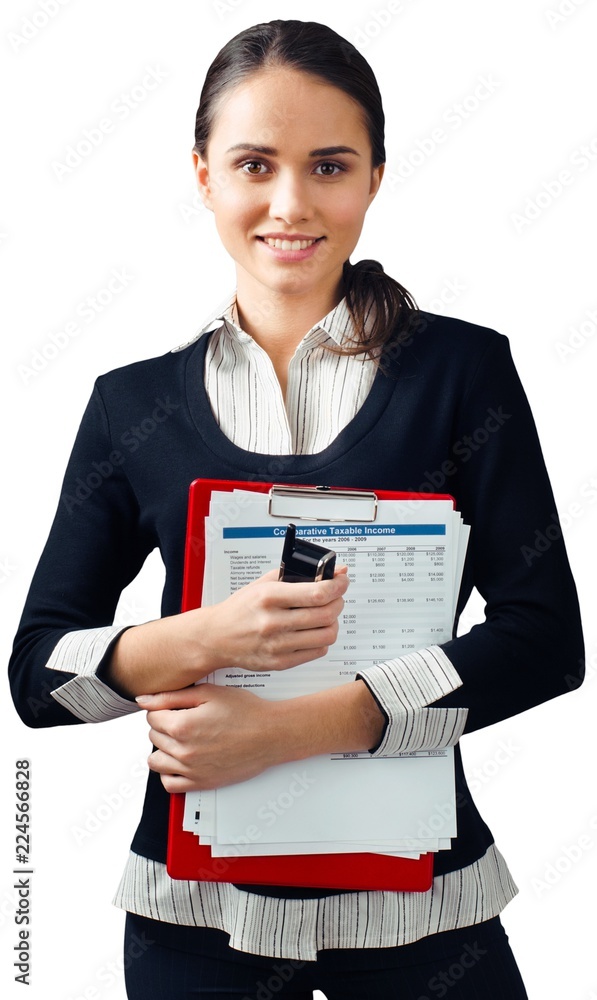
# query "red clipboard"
(188, 859)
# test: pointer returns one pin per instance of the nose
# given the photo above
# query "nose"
(290, 199)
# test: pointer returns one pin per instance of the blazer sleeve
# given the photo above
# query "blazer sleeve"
(530, 644)
(96, 546)
(531, 641)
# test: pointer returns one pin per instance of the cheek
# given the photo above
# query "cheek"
(348, 211)
(234, 212)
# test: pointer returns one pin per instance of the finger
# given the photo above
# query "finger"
(177, 783)
(172, 774)
(187, 697)
(312, 618)
(309, 639)
(300, 656)
(164, 742)
(272, 574)
(304, 595)
(180, 725)
(164, 763)
(161, 721)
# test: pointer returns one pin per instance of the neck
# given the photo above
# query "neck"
(278, 322)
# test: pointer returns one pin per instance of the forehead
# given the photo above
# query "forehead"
(288, 104)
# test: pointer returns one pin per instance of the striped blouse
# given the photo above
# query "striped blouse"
(325, 390)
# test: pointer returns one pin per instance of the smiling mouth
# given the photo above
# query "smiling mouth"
(289, 244)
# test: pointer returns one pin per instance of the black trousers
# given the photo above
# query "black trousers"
(470, 963)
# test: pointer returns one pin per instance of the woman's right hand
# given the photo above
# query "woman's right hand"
(273, 625)
(266, 625)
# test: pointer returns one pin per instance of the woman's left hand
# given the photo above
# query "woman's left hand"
(207, 736)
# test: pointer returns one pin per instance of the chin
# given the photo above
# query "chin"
(287, 285)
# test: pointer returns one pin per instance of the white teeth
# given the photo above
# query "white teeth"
(289, 244)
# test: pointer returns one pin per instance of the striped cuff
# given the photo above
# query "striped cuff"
(86, 696)
(403, 688)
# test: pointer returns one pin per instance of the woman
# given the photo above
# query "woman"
(326, 371)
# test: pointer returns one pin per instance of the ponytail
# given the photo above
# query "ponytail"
(378, 302)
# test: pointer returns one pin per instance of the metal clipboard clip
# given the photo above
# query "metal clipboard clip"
(304, 503)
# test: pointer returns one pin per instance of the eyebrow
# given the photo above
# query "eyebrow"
(270, 151)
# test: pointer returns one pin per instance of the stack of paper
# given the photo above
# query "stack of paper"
(405, 569)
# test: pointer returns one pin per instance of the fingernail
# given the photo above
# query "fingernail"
(143, 699)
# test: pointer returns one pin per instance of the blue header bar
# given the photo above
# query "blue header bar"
(339, 531)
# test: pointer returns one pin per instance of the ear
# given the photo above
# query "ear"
(203, 182)
(376, 176)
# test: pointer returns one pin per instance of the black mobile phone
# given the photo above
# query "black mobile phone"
(303, 561)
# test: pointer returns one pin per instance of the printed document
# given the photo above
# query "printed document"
(405, 569)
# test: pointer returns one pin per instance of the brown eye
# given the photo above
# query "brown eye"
(329, 169)
(252, 167)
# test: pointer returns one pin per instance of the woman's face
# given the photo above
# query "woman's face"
(288, 176)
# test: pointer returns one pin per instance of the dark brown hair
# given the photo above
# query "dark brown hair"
(316, 49)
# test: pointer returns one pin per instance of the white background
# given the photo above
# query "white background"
(451, 223)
